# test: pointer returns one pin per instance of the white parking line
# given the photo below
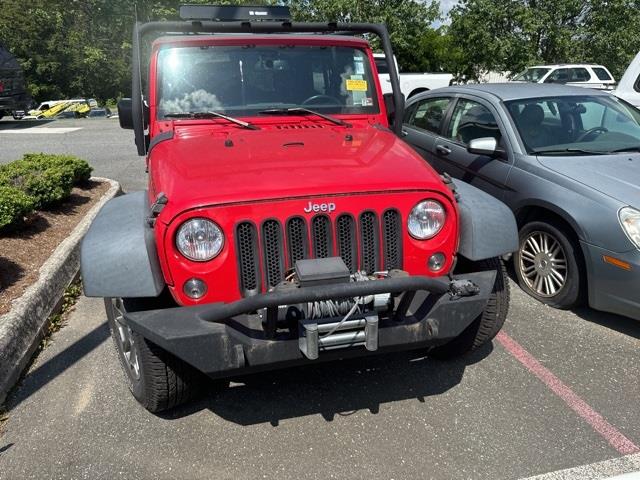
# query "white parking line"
(620, 468)
(54, 130)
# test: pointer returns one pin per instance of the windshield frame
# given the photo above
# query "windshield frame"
(248, 109)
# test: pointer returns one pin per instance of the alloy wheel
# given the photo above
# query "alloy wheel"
(126, 341)
(543, 264)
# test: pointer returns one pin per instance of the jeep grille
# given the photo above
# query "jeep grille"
(367, 243)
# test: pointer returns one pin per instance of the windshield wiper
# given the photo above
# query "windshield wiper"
(568, 150)
(242, 123)
(302, 111)
(626, 149)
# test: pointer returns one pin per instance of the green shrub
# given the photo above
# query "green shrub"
(81, 169)
(47, 178)
(47, 186)
(14, 205)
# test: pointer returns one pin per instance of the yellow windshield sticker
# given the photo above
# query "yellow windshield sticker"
(357, 85)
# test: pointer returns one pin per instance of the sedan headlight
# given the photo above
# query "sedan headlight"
(199, 239)
(426, 219)
(630, 221)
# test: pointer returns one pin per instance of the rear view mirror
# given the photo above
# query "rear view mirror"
(125, 113)
(484, 146)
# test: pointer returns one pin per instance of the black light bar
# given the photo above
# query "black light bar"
(234, 13)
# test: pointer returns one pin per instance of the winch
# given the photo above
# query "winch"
(335, 323)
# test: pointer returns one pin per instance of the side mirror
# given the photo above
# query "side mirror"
(485, 146)
(125, 113)
(390, 107)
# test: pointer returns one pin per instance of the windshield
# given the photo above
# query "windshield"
(532, 75)
(244, 80)
(576, 124)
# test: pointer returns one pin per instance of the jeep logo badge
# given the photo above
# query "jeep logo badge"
(320, 207)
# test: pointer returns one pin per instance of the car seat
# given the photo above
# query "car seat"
(534, 133)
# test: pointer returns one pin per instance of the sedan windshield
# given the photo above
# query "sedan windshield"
(576, 124)
(247, 80)
(531, 75)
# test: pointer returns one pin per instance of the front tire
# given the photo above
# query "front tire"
(157, 379)
(548, 265)
(487, 325)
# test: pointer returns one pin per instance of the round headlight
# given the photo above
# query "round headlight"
(426, 219)
(199, 239)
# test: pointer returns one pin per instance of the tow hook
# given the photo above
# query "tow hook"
(463, 288)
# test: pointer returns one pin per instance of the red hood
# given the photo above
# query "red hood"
(202, 165)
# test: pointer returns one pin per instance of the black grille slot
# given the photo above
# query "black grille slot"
(369, 243)
(392, 239)
(273, 252)
(297, 240)
(248, 260)
(347, 244)
(265, 252)
(321, 235)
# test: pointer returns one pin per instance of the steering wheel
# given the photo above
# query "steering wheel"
(314, 99)
(590, 131)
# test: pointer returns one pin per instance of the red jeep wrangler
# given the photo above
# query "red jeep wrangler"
(285, 221)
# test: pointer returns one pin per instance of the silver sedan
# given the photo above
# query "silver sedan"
(567, 162)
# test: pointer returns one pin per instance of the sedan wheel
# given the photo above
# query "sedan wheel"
(543, 264)
(549, 264)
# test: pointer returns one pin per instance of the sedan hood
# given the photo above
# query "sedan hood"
(617, 175)
(202, 166)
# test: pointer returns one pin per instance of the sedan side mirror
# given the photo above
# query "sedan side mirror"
(485, 146)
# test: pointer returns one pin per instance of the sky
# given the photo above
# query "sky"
(445, 6)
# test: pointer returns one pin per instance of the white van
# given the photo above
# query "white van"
(629, 86)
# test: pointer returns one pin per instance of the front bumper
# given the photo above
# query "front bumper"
(611, 288)
(230, 339)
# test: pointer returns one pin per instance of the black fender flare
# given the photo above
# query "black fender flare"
(118, 256)
(487, 226)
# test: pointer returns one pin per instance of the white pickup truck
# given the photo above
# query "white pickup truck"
(629, 85)
(410, 83)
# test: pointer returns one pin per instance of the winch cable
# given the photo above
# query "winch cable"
(344, 319)
(358, 277)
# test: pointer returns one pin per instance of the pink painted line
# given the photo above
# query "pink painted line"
(615, 438)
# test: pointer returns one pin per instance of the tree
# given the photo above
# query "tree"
(511, 34)
(508, 35)
(610, 34)
(405, 19)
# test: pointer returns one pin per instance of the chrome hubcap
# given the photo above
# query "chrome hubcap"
(543, 264)
(125, 339)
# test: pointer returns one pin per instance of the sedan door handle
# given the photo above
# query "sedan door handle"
(443, 150)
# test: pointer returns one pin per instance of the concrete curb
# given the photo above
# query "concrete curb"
(22, 328)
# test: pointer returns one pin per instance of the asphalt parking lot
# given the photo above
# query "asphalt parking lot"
(556, 390)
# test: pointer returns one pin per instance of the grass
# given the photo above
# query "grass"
(58, 320)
